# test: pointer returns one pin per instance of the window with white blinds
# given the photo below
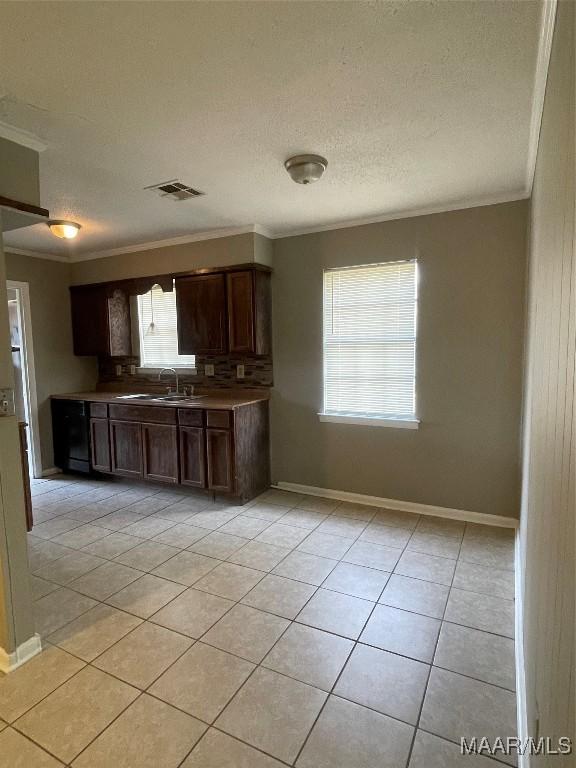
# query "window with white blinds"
(370, 341)
(157, 327)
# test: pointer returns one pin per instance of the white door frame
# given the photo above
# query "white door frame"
(29, 373)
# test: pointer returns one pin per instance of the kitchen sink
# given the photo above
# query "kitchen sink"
(172, 398)
(177, 398)
(137, 397)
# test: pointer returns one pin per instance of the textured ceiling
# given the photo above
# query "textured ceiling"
(416, 105)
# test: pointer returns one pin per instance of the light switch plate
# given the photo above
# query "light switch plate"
(209, 369)
(239, 371)
(118, 370)
(132, 370)
(7, 402)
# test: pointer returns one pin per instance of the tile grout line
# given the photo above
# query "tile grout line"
(290, 621)
(201, 639)
(416, 728)
(31, 740)
(353, 648)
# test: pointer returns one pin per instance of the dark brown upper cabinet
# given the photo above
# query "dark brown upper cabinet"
(201, 308)
(119, 324)
(100, 321)
(249, 316)
(219, 312)
(240, 295)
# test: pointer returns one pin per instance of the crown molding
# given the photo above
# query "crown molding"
(270, 234)
(539, 93)
(510, 197)
(22, 137)
(36, 254)
(258, 229)
(213, 234)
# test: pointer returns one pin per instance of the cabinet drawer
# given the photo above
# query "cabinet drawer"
(154, 414)
(190, 418)
(99, 410)
(219, 419)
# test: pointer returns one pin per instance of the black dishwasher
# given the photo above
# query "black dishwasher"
(71, 433)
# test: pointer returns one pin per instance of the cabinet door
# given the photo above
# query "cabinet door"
(219, 459)
(119, 330)
(160, 451)
(240, 295)
(192, 457)
(100, 445)
(89, 320)
(263, 313)
(126, 448)
(100, 323)
(201, 312)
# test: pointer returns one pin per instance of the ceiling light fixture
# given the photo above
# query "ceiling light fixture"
(306, 169)
(64, 229)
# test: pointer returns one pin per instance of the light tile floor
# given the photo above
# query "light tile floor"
(298, 631)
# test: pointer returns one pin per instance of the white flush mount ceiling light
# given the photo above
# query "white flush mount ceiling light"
(306, 169)
(64, 229)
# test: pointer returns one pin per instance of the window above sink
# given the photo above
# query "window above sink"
(155, 332)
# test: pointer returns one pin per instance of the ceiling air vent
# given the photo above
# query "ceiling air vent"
(175, 190)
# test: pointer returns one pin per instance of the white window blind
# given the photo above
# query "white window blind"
(157, 326)
(370, 340)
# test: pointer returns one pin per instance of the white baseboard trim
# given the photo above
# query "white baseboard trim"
(521, 707)
(51, 471)
(401, 506)
(11, 661)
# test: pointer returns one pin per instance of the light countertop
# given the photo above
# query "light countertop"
(225, 401)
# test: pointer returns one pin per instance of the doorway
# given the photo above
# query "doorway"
(25, 400)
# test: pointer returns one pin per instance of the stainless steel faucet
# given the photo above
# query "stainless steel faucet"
(175, 372)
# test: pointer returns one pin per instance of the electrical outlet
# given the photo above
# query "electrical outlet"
(209, 369)
(118, 370)
(239, 371)
(132, 370)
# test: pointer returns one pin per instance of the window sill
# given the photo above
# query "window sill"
(370, 421)
(156, 371)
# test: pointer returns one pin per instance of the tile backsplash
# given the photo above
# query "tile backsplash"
(258, 372)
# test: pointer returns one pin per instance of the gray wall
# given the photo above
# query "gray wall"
(469, 362)
(218, 252)
(57, 369)
(20, 178)
(547, 532)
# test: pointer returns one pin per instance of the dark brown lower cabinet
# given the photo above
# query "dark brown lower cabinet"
(100, 445)
(160, 452)
(219, 460)
(192, 464)
(126, 448)
(222, 450)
